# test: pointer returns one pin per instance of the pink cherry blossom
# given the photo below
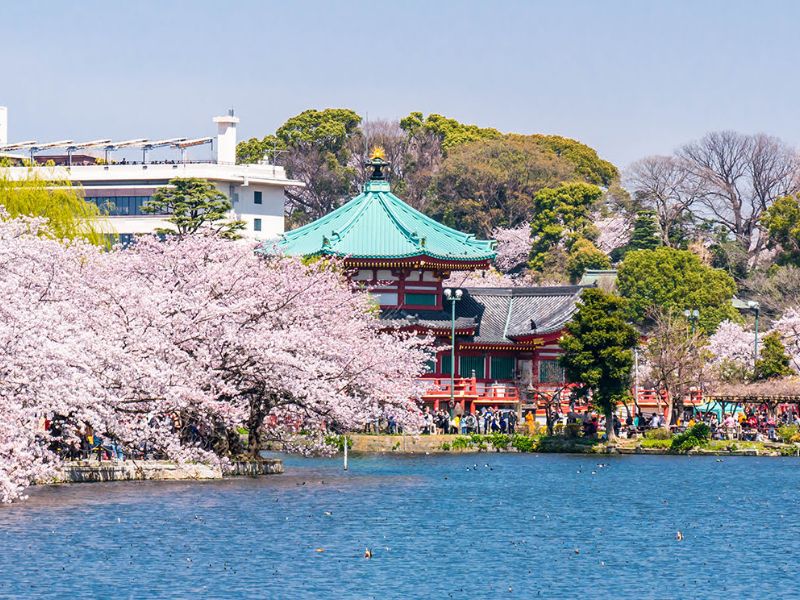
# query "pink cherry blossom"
(177, 344)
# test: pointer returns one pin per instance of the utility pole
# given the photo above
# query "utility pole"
(452, 296)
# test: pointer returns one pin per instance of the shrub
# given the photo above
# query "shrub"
(661, 433)
(787, 432)
(691, 438)
(655, 443)
(524, 443)
(499, 440)
(572, 430)
(461, 442)
(446, 446)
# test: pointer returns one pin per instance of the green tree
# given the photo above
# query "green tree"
(584, 159)
(255, 150)
(561, 216)
(45, 194)
(449, 131)
(675, 280)
(598, 350)
(314, 147)
(773, 362)
(585, 255)
(489, 183)
(782, 221)
(645, 234)
(193, 204)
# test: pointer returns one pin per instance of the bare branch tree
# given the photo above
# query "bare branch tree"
(740, 176)
(665, 185)
(675, 356)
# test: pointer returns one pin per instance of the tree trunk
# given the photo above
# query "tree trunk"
(610, 435)
(255, 422)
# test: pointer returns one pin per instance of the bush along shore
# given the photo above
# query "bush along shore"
(694, 441)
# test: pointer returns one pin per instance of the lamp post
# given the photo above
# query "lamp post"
(756, 308)
(453, 296)
(692, 316)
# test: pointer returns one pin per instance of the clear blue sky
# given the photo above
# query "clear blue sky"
(630, 78)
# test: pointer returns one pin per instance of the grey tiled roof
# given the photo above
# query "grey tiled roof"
(434, 319)
(501, 314)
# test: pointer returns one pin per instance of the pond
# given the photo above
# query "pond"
(456, 526)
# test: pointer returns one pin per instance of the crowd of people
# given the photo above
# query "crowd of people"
(489, 419)
(750, 424)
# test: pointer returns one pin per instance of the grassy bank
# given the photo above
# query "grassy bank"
(658, 442)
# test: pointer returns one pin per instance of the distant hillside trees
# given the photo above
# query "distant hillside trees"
(472, 178)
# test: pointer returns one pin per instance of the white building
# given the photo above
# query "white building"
(120, 188)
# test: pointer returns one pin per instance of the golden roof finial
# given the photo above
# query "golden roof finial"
(377, 153)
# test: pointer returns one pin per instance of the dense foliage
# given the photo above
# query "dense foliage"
(53, 197)
(676, 280)
(598, 349)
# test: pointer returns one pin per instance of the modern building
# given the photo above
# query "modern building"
(121, 187)
(506, 339)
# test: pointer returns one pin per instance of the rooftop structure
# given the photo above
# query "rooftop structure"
(378, 226)
(121, 187)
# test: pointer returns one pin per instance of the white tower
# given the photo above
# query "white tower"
(3, 126)
(226, 138)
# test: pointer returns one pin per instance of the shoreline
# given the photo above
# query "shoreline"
(93, 471)
(458, 444)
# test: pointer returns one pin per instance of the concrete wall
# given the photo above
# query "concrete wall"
(157, 470)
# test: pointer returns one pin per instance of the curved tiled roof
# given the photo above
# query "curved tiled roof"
(499, 315)
(376, 224)
(505, 314)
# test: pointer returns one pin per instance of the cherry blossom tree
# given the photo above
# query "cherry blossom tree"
(513, 247)
(615, 232)
(731, 349)
(789, 328)
(174, 345)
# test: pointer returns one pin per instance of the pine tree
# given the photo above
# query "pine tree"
(774, 362)
(645, 232)
(598, 350)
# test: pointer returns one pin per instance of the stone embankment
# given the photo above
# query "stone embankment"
(410, 444)
(85, 471)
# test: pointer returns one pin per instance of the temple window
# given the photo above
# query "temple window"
(468, 364)
(363, 275)
(418, 299)
(386, 275)
(550, 371)
(502, 367)
(386, 298)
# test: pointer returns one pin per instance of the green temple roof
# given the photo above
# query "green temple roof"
(376, 224)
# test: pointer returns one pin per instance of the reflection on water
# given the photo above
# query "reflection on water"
(462, 526)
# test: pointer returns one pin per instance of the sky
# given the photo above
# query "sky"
(630, 78)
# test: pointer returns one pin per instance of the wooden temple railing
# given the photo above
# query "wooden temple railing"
(469, 392)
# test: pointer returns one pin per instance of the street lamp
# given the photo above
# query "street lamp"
(756, 308)
(692, 316)
(452, 296)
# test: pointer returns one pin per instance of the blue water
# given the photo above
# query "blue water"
(524, 526)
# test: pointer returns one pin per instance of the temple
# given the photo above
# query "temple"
(506, 339)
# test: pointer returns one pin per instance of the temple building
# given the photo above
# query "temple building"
(506, 349)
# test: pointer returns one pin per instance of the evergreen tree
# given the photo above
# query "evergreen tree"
(645, 232)
(598, 350)
(774, 362)
(194, 204)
